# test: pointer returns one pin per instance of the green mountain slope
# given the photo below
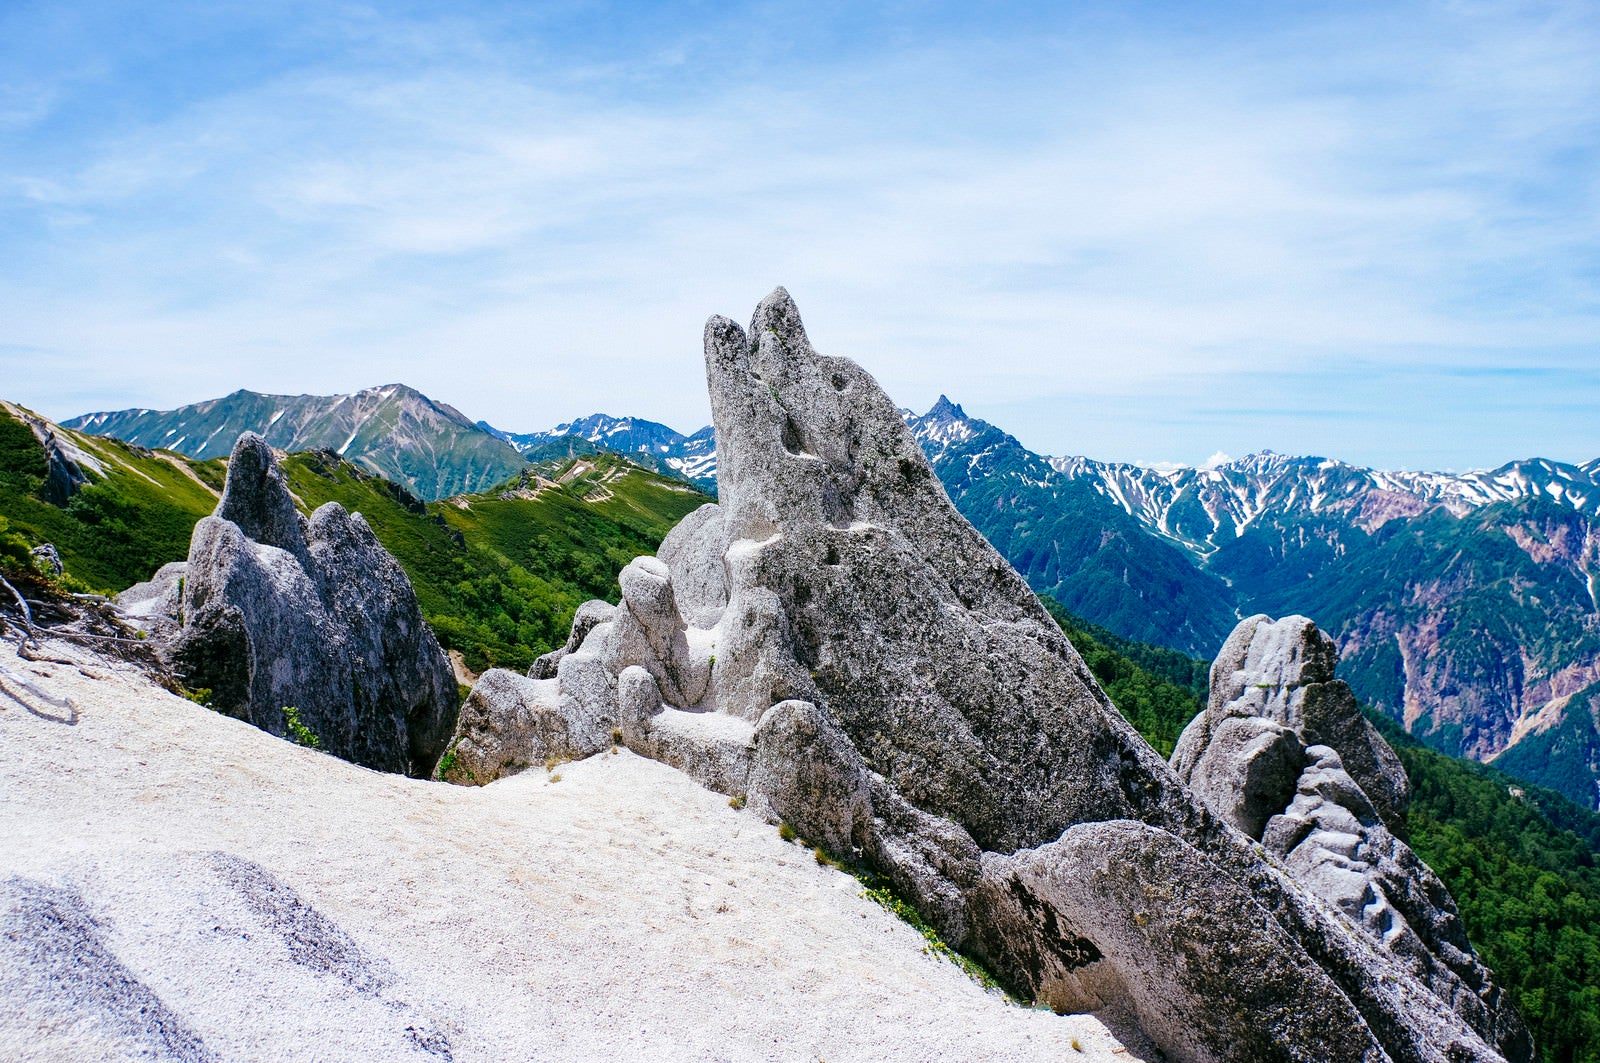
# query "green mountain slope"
(498, 574)
(1566, 757)
(132, 514)
(394, 431)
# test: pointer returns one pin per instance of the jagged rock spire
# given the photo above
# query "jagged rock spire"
(272, 610)
(833, 641)
(256, 497)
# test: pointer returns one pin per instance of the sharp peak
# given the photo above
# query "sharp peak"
(777, 313)
(944, 407)
(393, 389)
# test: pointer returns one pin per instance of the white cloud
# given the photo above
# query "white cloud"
(531, 241)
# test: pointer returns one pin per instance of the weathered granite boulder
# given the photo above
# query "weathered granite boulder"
(273, 610)
(1283, 753)
(588, 616)
(507, 724)
(48, 558)
(1277, 678)
(833, 641)
(1132, 891)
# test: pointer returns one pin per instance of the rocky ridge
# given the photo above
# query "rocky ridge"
(273, 610)
(394, 431)
(835, 644)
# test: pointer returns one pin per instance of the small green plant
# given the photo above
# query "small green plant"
(298, 731)
(737, 801)
(884, 893)
(199, 697)
(447, 763)
(823, 859)
(786, 832)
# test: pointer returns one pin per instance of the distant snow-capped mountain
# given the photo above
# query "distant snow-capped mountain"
(626, 435)
(1467, 605)
(693, 457)
(1201, 508)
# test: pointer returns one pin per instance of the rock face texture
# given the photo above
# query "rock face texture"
(1283, 753)
(273, 610)
(833, 641)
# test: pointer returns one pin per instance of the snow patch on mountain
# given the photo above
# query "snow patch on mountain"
(1199, 507)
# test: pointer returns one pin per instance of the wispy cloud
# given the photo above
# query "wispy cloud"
(531, 220)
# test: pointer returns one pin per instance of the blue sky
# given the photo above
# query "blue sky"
(1134, 231)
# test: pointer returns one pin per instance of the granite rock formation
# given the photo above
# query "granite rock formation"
(274, 610)
(834, 642)
(1283, 753)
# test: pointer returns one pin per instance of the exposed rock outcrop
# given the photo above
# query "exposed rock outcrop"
(46, 556)
(1283, 753)
(834, 641)
(67, 466)
(273, 610)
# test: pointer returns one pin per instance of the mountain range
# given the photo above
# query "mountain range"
(651, 444)
(401, 434)
(1465, 604)
(394, 431)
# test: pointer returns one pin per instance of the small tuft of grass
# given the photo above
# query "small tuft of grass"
(298, 731)
(786, 832)
(882, 891)
(737, 801)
